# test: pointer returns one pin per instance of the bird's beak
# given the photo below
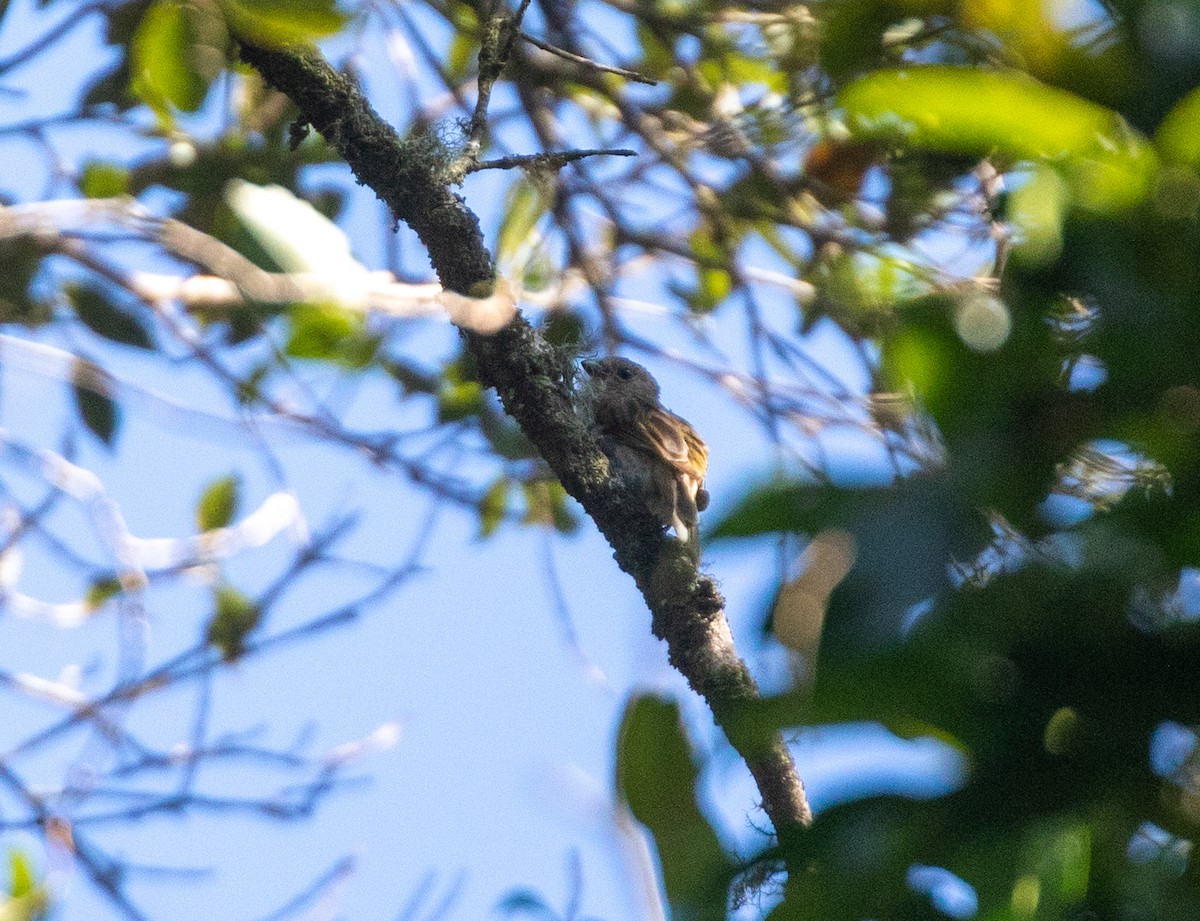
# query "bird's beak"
(589, 365)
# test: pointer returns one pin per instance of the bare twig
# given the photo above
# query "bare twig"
(547, 161)
(587, 62)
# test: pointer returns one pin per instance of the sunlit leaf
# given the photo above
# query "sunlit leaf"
(21, 874)
(459, 400)
(219, 503)
(982, 113)
(326, 333)
(1178, 135)
(103, 180)
(166, 66)
(276, 23)
(526, 202)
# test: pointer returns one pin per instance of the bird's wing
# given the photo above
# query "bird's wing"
(666, 433)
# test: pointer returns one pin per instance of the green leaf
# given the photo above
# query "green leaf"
(323, 332)
(657, 778)
(1178, 135)
(21, 872)
(103, 180)
(97, 410)
(92, 305)
(493, 506)
(779, 506)
(526, 202)
(234, 617)
(318, 331)
(276, 23)
(464, 49)
(979, 113)
(219, 503)
(101, 591)
(29, 899)
(459, 400)
(164, 64)
(715, 286)
(21, 258)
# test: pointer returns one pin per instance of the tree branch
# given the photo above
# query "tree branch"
(534, 382)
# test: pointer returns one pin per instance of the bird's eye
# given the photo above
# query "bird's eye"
(625, 374)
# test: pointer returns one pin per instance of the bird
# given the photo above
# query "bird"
(656, 446)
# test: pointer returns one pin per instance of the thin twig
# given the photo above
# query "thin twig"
(588, 62)
(555, 160)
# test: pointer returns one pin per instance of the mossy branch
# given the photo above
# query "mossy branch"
(533, 379)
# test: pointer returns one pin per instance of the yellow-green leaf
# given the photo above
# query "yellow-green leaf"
(100, 591)
(163, 64)
(526, 202)
(219, 503)
(275, 23)
(234, 617)
(103, 180)
(968, 111)
(492, 507)
(1178, 136)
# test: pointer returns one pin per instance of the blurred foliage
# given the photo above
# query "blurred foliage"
(234, 618)
(1051, 650)
(27, 899)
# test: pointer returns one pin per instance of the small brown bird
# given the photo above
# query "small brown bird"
(656, 445)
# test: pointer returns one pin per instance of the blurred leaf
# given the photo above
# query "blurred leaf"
(234, 617)
(657, 778)
(290, 229)
(853, 35)
(103, 317)
(276, 23)
(464, 51)
(782, 505)
(528, 199)
(101, 591)
(505, 435)
(563, 329)
(165, 64)
(493, 506)
(980, 113)
(459, 401)
(410, 379)
(1178, 135)
(97, 410)
(714, 286)
(546, 503)
(22, 258)
(219, 503)
(326, 333)
(103, 180)
(29, 899)
(524, 902)
(21, 874)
